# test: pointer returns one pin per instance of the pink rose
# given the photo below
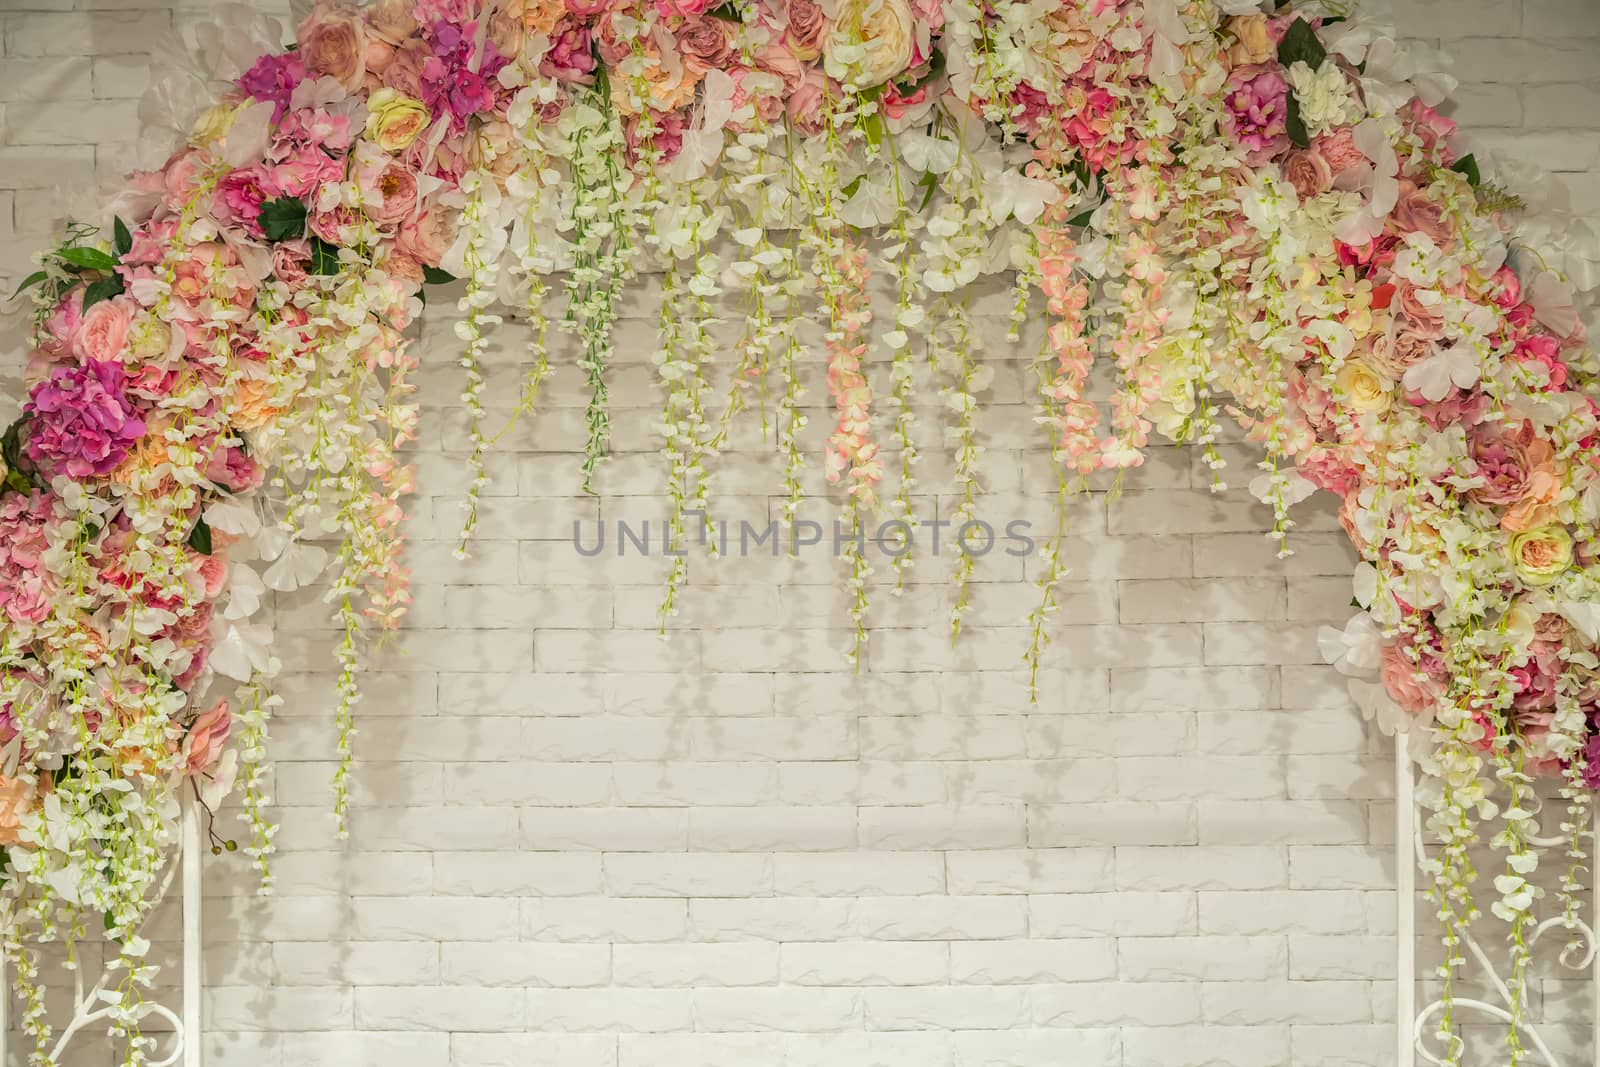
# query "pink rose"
(1425, 317)
(290, 260)
(805, 102)
(768, 105)
(1339, 149)
(705, 41)
(404, 72)
(807, 25)
(778, 59)
(427, 237)
(1503, 464)
(1417, 212)
(185, 172)
(61, 328)
(334, 43)
(679, 8)
(388, 194)
(213, 571)
(1397, 349)
(1414, 694)
(1308, 172)
(104, 331)
(587, 9)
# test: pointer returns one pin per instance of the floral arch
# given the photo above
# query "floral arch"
(1253, 210)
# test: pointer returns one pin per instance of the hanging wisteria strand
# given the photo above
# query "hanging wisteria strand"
(1252, 211)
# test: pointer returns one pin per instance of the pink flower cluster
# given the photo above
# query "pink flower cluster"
(83, 421)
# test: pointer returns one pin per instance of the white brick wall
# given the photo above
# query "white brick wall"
(577, 846)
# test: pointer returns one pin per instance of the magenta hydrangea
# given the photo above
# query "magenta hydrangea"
(83, 421)
(273, 80)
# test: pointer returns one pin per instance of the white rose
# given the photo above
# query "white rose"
(869, 42)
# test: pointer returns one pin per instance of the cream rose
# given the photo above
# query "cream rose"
(1541, 556)
(869, 42)
(1362, 387)
(394, 120)
(1252, 41)
(213, 125)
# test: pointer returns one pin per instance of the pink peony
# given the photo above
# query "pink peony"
(807, 26)
(304, 171)
(427, 237)
(239, 198)
(61, 328)
(1503, 464)
(83, 422)
(705, 42)
(388, 193)
(1257, 101)
(569, 58)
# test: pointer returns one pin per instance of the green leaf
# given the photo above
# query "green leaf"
(726, 12)
(1467, 166)
(29, 282)
(283, 219)
(1081, 219)
(435, 276)
(324, 257)
(872, 128)
(104, 289)
(1300, 45)
(124, 239)
(200, 537)
(1296, 126)
(87, 258)
(929, 184)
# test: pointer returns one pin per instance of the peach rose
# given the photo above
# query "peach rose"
(1542, 555)
(392, 20)
(388, 194)
(104, 330)
(1543, 489)
(334, 43)
(252, 404)
(394, 120)
(870, 41)
(203, 746)
(705, 41)
(1252, 41)
(1308, 172)
(16, 799)
(539, 17)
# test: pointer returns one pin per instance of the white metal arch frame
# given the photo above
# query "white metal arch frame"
(186, 1039)
(1415, 1027)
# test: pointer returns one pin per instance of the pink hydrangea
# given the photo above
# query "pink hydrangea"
(273, 80)
(83, 421)
(26, 587)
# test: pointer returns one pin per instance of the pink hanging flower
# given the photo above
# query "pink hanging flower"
(26, 585)
(83, 421)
